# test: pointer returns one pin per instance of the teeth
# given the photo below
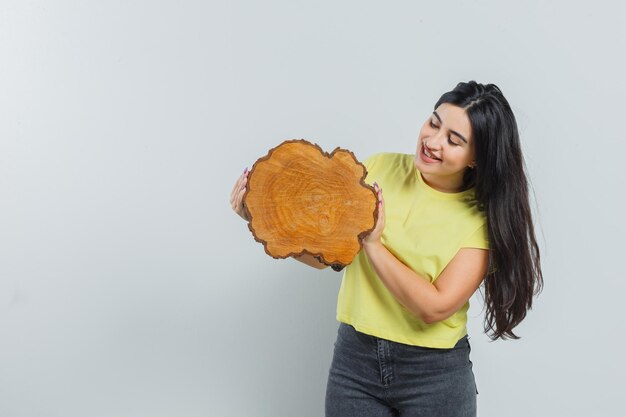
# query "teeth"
(428, 154)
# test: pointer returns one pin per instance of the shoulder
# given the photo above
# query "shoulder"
(385, 158)
(478, 238)
(476, 225)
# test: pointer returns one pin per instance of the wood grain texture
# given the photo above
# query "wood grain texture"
(300, 199)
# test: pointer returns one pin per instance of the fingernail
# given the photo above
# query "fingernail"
(245, 170)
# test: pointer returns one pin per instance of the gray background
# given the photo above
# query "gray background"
(128, 287)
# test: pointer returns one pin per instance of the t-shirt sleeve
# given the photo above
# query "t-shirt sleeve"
(369, 164)
(369, 161)
(478, 239)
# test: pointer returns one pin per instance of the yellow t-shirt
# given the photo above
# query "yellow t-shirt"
(424, 228)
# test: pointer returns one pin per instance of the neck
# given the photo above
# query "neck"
(444, 184)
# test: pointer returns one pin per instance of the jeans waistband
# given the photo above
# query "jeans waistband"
(349, 331)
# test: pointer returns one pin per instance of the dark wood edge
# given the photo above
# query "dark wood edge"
(337, 266)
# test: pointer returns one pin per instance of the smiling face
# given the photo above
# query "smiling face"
(445, 148)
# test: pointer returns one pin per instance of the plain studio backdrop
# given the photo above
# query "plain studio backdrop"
(128, 287)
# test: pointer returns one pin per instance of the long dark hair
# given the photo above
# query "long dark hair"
(501, 186)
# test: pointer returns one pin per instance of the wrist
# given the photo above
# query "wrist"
(373, 246)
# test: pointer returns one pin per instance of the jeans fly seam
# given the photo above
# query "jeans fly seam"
(384, 363)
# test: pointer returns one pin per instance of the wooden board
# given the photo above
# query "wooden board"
(300, 199)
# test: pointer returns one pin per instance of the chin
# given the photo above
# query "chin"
(416, 163)
(419, 164)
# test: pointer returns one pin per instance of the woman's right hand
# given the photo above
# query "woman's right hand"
(236, 195)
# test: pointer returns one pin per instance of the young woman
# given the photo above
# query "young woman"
(454, 215)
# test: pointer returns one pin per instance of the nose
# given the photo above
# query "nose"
(435, 141)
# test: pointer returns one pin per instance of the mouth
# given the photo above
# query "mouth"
(429, 156)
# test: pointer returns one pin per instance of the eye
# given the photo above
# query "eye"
(433, 125)
(452, 143)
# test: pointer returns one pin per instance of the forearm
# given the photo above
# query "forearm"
(413, 291)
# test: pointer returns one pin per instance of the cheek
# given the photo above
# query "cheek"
(424, 133)
(463, 156)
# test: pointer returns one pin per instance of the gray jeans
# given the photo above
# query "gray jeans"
(370, 376)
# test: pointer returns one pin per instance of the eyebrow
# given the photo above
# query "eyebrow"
(452, 131)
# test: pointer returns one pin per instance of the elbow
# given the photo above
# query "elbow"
(434, 316)
(436, 309)
(430, 318)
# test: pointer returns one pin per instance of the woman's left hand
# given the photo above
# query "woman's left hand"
(374, 236)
